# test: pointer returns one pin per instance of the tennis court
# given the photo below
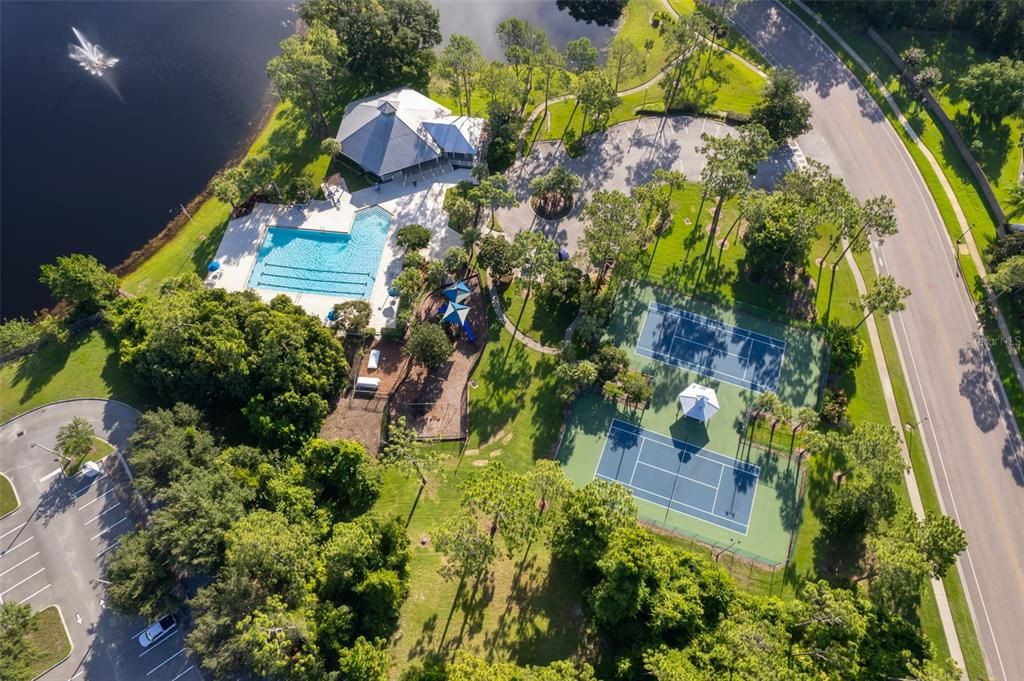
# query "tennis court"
(712, 348)
(680, 476)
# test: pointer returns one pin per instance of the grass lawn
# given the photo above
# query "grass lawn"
(287, 139)
(953, 52)
(543, 323)
(525, 609)
(50, 639)
(85, 366)
(8, 499)
(636, 27)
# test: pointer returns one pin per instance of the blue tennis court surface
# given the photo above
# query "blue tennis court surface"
(711, 348)
(680, 476)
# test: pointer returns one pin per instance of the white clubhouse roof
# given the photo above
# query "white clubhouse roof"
(399, 129)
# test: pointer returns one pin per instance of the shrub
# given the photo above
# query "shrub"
(845, 346)
(302, 189)
(414, 260)
(611, 362)
(590, 331)
(413, 237)
(18, 333)
(456, 260)
(570, 378)
(351, 316)
(436, 273)
(79, 280)
(833, 408)
(636, 386)
(428, 345)
(409, 283)
(1005, 248)
(460, 214)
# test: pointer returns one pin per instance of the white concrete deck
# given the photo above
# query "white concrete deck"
(422, 204)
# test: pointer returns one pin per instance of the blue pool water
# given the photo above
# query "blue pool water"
(324, 263)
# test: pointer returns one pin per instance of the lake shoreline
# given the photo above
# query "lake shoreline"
(140, 255)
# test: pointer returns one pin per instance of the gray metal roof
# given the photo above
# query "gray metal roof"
(399, 129)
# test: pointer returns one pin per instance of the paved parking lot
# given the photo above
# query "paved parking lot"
(54, 548)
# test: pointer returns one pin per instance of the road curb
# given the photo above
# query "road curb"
(72, 399)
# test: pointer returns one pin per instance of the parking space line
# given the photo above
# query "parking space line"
(86, 488)
(22, 602)
(51, 474)
(98, 497)
(77, 674)
(23, 581)
(165, 662)
(112, 546)
(19, 563)
(18, 546)
(97, 517)
(190, 668)
(164, 638)
(13, 529)
(102, 532)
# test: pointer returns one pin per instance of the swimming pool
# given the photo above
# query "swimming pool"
(324, 263)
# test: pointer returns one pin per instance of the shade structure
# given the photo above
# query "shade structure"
(455, 313)
(457, 292)
(698, 402)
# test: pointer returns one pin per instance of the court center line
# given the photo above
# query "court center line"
(25, 600)
(717, 520)
(756, 472)
(699, 369)
(636, 462)
(104, 531)
(97, 517)
(98, 497)
(165, 662)
(719, 489)
(669, 311)
(21, 562)
(9, 589)
(13, 529)
(678, 475)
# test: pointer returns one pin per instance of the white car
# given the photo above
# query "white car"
(156, 631)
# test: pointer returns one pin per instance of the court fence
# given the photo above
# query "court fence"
(751, 571)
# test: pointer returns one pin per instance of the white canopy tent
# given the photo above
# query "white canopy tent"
(698, 402)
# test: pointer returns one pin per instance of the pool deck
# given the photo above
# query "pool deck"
(408, 204)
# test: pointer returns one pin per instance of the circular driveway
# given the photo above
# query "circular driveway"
(621, 157)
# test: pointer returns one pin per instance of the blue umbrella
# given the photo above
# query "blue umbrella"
(457, 292)
(455, 313)
(213, 266)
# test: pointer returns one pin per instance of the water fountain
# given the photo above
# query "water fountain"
(90, 56)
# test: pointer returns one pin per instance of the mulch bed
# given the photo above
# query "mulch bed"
(360, 417)
(434, 401)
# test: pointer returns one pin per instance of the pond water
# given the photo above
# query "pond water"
(87, 169)
(479, 18)
(99, 166)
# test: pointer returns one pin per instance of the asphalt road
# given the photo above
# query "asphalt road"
(54, 547)
(972, 441)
